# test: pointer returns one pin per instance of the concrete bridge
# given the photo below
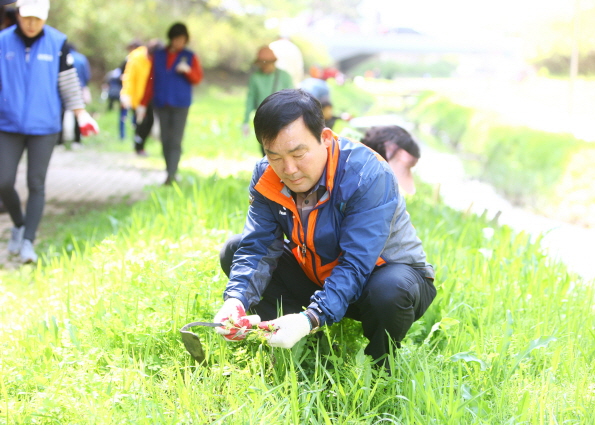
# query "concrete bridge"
(350, 49)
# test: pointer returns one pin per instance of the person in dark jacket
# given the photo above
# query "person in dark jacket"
(174, 71)
(327, 236)
(37, 80)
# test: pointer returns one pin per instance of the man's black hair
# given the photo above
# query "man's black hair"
(376, 137)
(284, 107)
(177, 30)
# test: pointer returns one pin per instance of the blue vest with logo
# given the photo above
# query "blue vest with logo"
(29, 98)
(169, 87)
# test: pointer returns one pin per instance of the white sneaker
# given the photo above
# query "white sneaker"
(16, 240)
(28, 254)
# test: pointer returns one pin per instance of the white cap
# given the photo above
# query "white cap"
(36, 8)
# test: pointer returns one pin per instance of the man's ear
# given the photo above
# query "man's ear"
(327, 135)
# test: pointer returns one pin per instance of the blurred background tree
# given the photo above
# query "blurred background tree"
(549, 43)
(224, 34)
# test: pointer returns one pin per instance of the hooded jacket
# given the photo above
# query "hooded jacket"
(360, 222)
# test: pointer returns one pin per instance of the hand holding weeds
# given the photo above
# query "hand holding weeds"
(234, 320)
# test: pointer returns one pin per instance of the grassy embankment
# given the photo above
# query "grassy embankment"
(547, 172)
(91, 337)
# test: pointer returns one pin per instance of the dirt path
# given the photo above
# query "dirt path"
(87, 176)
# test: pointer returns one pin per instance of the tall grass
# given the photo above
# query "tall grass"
(91, 337)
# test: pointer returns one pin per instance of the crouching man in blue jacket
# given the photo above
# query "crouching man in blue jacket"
(327, 236)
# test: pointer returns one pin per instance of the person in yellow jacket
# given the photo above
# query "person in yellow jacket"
(134, 82)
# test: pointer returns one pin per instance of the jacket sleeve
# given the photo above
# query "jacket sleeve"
(69, 84)
(149, 86)
(364, 231)
(195, 75)
(258, 253)
(128, 79)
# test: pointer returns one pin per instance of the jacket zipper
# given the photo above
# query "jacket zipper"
(304, 247)
(28, 72)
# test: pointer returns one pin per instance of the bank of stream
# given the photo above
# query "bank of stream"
(571, 244)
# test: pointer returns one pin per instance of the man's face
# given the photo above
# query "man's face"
(30, 25)
(297, 157)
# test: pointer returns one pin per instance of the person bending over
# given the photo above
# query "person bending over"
(327, 236)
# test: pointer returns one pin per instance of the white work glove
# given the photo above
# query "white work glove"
(183, 68)
(287, 330)
(125, 101)
(87, 124)
(141, 113)
(235, 322)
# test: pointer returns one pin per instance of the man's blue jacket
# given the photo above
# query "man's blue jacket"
(360, 222)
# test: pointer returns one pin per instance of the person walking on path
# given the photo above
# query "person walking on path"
(327, 236)
(266, 80)
(174, 71)
(117, 85)
(37, 80)
(134, 81)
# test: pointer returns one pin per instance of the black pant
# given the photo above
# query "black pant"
(39, 152)
(394, 296)
(143, 129)
(172, 121)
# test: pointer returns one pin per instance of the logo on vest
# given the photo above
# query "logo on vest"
(45, 57)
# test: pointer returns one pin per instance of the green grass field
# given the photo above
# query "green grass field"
(90, 335)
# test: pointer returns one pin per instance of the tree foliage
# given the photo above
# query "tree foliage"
(225, 34)
(549, 45)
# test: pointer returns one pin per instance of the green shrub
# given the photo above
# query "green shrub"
(448, 120)
(526, 164)
(523, 164)
(350, 98)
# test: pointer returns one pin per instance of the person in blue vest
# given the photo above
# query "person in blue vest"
(174, 71)
(37, 80)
